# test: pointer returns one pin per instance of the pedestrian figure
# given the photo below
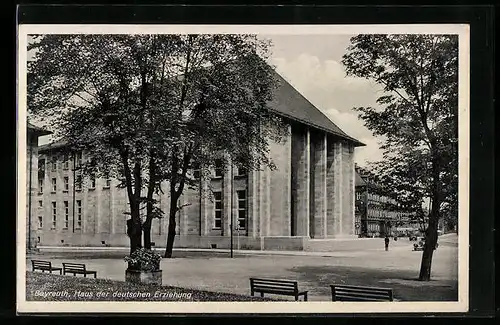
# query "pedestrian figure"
(386, 240)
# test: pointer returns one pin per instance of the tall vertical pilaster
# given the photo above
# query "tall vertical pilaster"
(320, 198)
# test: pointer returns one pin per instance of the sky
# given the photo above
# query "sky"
(312, 64)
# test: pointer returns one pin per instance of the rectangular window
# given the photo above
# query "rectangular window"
(40, 185)
(66, 214)
(241, 171)
(54, 185)
(41, 169)
(79, 159)
(54, 215)
(78, 214)
(219, 169)
(40, 222)
(92, 182)
(65, 162)
(217, 210)
(242, 209)
(54, 164)
(358, 195)
(107, 183)
(196, 171)
(78, 183)
(66, 183)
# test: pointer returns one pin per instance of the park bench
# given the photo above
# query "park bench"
(272, 286)
(76, 268)
(44, 266)
(358, 293)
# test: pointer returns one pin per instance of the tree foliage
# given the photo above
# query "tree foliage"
(417, 117)
(150, 108)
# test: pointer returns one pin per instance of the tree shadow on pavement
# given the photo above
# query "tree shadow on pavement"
(405, 284)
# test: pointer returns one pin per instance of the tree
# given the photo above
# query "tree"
(417, 117)
(146, 108)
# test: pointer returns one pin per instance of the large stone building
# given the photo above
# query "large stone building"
(33, 133)
(309, 196)
(376, 214)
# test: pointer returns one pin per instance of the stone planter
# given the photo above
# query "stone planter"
(145, 277)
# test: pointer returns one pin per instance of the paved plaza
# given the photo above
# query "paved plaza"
(215, 271)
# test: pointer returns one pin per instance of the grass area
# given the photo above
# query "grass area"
(51, 287)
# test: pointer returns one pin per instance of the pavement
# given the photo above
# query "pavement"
(214, 270)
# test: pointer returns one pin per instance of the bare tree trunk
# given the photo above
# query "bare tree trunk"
(431, 232)
(146, 229)
(171, 224)
(149, 203)
(134, 230)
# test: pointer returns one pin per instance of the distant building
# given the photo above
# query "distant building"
(33, 133)
(309, 196)
(377, 215)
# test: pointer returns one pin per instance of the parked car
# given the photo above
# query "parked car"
(419, 245)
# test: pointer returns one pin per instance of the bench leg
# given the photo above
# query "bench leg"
(95, 275)
(297, 298)
(262, 294)
(305, 296)
(84, 275)
(60, 272)
(252, 293)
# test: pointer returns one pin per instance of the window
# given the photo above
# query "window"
(66, 214)
(66, 183)
(41, 169)
(78, 214)
(40, 222)
(65, 161)
(219, 169)
(78, 183)
(54, 185)
(196, 171)
(40, 185)
(92, 182)
(241, 171)
(107, 183)
(358, 195)
(54, 164)
(40, 203)
(217, 210)
(242, 209)
(54, 215)
(79, 159)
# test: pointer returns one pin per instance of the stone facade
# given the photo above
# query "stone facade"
(377, 215)
(33, 133)
(310, 195)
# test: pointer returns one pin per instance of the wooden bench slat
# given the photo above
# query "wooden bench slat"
(77, 268)
(276, 286)
(354, 291)
(44, 266)
(363, 294)
(352, 298)
(289, 286)
(272, 280)
(359, 293)
(359, 287)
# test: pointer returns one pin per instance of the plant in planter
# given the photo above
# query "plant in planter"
(143, 267)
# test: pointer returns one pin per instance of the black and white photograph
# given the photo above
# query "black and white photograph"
(266, 168)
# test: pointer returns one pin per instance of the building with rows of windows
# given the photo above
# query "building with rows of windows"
(309, 196)
(33, 133)
(377, 215)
